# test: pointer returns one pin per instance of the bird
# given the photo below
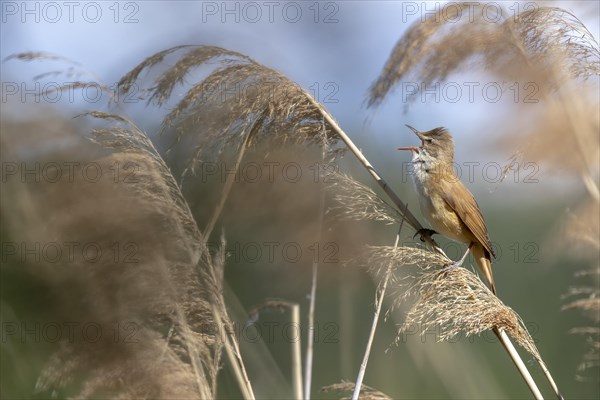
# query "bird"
(445, 202)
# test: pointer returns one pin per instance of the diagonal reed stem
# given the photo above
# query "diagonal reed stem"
(516, 359)
(378, 305)
(226, 189)
(232, 351)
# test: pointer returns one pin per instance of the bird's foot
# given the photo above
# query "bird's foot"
(456, 264)
(424, 233)
(453, 265)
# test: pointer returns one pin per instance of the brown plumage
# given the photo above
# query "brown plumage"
(447, 204)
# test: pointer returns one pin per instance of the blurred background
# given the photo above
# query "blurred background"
(335, 50)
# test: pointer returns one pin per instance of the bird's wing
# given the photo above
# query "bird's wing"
(458, 197)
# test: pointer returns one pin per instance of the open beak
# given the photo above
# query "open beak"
(416, 132)
(413, 148)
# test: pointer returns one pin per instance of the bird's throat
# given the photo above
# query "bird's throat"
(428, 171)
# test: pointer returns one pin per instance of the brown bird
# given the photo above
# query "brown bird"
(445, 202)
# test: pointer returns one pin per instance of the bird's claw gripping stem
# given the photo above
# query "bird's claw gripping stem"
(460, 262)
(453, 265)
(423, 233)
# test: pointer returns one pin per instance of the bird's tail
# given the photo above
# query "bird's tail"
(482, 258)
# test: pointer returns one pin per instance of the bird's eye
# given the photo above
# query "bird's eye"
(429, 140)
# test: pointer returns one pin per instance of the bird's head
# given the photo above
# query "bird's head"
(436, 145)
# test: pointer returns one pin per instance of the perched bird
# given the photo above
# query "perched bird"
(445, 202)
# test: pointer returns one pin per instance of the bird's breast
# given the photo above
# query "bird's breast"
(435, 209)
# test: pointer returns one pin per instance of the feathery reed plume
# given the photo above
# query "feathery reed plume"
(551, 125)
(439, 298)
(359, 202)
(377, 259)
(535, 44)
(207, 273)
(578, 234)
(75, 72)
(239, 98)
(456, 301)
(367, 392)
(152, 300)
(569, 117)
(266, 105)
(40, 56)
(376, 256)
(579, 238)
